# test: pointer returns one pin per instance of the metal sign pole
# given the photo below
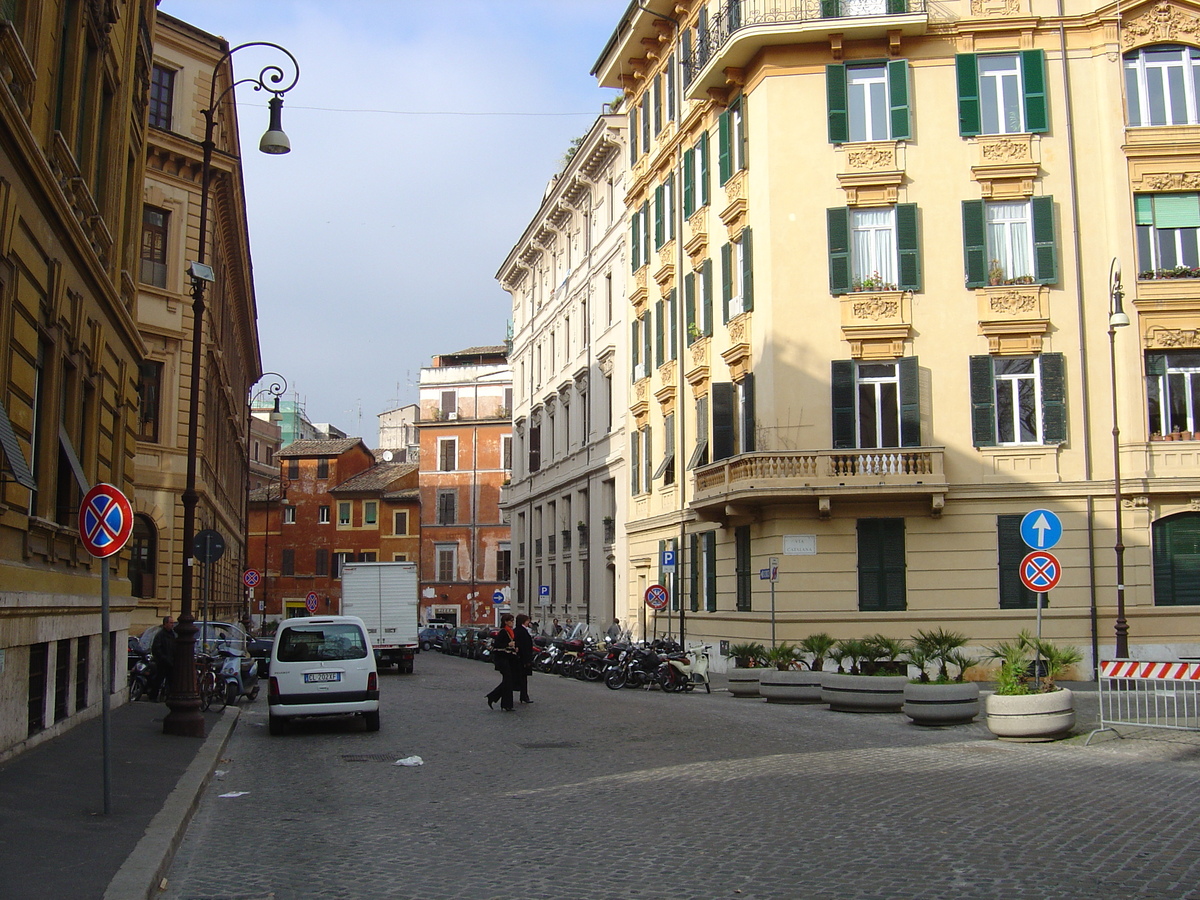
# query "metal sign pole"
(1037, 663)
(106, 680)
(772, 614)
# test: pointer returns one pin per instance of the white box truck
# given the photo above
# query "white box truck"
(384, 596)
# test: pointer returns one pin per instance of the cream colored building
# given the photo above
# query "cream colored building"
(73, 84)
(888, 226)
(567, 499)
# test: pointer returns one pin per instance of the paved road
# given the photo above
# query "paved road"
(591, 793)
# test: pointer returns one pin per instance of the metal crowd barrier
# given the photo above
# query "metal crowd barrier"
(1142, 694)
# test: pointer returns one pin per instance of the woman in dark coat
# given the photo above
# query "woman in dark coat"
(504, 654)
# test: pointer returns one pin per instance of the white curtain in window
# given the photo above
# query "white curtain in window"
(874, 247)
(1010, 244)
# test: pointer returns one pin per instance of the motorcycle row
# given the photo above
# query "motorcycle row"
(661, 663)
(226, 669)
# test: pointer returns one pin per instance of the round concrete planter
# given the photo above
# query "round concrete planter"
(744, 682)
(863, 693)
(941, 704)
(1031, 717)
(790, 686)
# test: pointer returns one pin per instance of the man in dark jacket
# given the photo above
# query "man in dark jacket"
(524, 640)
(162, 651)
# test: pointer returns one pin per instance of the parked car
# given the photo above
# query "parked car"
(430, 637)
(323, 666)
(452, 642)
(473, 643)
(260, 649)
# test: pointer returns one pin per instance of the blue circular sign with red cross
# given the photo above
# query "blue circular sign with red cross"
(311, 601)
(1040, 571)
(105, 521)
(656, 597)
(251, 577)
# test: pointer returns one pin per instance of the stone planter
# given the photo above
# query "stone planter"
(790, 686)
(744, 682)
(863, 693)
(941, 704)
(1031, 717)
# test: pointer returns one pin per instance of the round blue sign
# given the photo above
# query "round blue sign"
(1041, 529)
(498, 596)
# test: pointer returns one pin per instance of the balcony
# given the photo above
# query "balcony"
(743, 27)
(750, 480)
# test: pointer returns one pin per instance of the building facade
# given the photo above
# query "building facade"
(566, 504)
(185, 59)
(892, 227)
(72, 152)
(466, 451)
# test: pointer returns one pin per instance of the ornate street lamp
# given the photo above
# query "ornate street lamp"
(184, 718)
(1117, 319)
(274, 389)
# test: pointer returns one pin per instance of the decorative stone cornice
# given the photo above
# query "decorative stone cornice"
(695, 233)
(876, 323)
(1163, 23)
(1008, 165)
(871, 172)
(1013, 317)
(997, 8)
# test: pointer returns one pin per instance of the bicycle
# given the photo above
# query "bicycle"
(207, 685)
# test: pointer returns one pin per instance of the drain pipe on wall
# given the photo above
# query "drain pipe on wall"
(1088, 466)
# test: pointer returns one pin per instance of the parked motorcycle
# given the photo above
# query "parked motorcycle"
(141, 676)
(237, 670)
(638, 668)
(683, 671)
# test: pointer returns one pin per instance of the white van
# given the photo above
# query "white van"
(323, 666)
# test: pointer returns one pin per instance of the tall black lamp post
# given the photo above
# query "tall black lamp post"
(184, 718)
(276, 386)
(1117, 319)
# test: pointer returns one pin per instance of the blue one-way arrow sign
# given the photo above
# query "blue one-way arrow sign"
(1041, 529)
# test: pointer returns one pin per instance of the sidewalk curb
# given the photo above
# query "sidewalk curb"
(140, 874)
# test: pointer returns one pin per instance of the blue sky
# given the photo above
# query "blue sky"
(423, 135)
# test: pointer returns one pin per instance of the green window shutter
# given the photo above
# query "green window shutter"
(881, 564)
(648, 460)
(672, 315)
(689, 304)
(747, 271)
(659, 332)
(726, 280)
(689, 180)
(646, 233)
(897, 71)
(910, 402)
(748, 417)
(694, 586)
(897, 7)
(1011, 550)
(672, 200)
(657, 101)
(838, 227)
(835, 96)
(908, 245)
(831, 9)
(722, 420)
(706, 281)
(1045, 254)
(704, 176)
(635, 473)
(1054, 395)
(741, 565)
(647, 340)
(662, 545)
(659, 238)
(724, 148)
(974, 243)
(1176, 210)
(983, 402)
(635, 243)
(671, 88)
(645, 116)
(842, 388)
(710, 571)
(633, 144)
(1033, 74)
(1143, 209)
(635, 344)
(967, 69)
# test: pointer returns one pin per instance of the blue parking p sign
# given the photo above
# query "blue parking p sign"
(543, 590)
(668, 560)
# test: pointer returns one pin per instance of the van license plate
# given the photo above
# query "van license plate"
(310, 677)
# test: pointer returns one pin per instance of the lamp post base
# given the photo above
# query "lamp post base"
(185, 718)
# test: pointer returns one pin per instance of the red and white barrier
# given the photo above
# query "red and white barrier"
(1149, 694)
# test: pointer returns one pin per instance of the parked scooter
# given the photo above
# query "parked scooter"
(238, 673)
(141, 676)
(682, 672)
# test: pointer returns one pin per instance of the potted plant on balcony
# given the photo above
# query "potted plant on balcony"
(874, 684)
(941, 700)
(1024, 708)
(797, 679)
(748, 661)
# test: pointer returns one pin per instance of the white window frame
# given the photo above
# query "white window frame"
(1185, 241)
(506, 452)
(864, 84)
(1183, 365)
(736, 280)
(442, 442)
(1150, 64)
(323, 515)
(371, 512)
(737, 136)
(1001, 90)
(1004, 236)
(289, 515)
(874, 251)
(344, 521)
(878, 383)
(395, 517)
(1006, 389)
(440, 554)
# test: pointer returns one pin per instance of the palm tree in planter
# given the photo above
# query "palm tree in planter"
(874, 683)
(1024, 708)
(941, 700)
(797, 679)
(748, 660)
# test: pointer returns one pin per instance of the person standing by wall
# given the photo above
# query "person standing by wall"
(162, 651)
(504, 655)
(524, 640)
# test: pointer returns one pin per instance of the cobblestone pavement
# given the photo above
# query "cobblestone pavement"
(592, 793)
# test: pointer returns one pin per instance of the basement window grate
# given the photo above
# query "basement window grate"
(550, 745)
(370, 757)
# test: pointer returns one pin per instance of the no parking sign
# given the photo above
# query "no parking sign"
(105, 521)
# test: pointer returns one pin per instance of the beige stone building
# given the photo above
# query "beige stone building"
(73, 88)
(567, 499)
(183, 68)
(888, 228)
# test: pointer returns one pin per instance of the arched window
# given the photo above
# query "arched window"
(1161, 85)
(1176, 541)
(143, 556)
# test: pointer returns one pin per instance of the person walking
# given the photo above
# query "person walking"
(504, 655)
(524, 641)
(162, 652)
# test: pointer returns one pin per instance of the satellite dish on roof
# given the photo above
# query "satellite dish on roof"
(387, 455)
